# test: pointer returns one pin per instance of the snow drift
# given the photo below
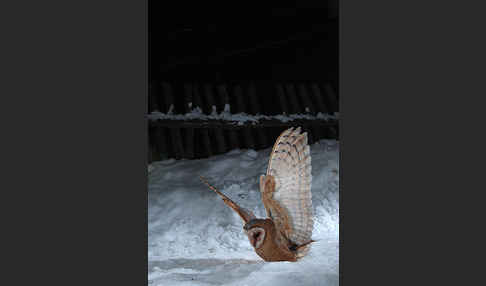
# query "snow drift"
(195, 239)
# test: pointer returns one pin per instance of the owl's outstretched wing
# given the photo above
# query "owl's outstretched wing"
(245, 214)
(286, 188)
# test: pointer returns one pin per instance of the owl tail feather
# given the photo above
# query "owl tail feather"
(295, 247)
(246, 215)
(304, 244)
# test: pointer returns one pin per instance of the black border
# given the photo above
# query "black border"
(76, 156)
(410, 79)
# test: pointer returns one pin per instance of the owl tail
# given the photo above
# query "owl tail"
(305, 244)
(246, 215)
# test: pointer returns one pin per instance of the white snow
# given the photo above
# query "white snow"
(214, 112)
(196, 113)
(195, 239)
(227, 108)
(171, 109)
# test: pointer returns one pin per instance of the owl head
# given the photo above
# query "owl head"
(257, 230)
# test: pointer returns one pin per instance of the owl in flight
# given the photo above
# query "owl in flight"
(286, 194)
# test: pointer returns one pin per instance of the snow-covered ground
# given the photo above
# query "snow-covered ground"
(195, 239)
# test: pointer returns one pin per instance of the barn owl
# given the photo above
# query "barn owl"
(286, 194)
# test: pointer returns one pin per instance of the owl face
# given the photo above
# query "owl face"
(256, 231)
(256, 235)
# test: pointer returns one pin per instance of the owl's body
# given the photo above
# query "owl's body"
(286, 194)
(275, 246)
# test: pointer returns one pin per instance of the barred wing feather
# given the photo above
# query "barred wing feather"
(289, 203)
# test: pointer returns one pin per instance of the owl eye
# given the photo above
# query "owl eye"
(256, 235)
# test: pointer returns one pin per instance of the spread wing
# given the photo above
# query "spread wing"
(245, 214)
(286, 188)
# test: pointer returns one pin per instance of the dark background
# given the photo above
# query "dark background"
(240, 41)
(213, 44)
